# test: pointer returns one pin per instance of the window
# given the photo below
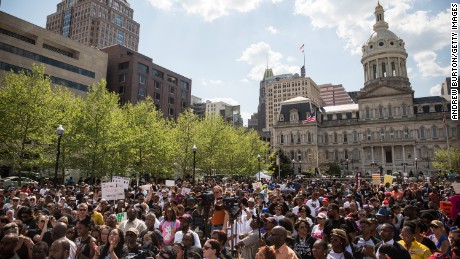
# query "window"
(355, 136)
(381, 112)
(172, 79)
(434, 132)
(406, 133)
(374, 71)
(142, 68)
(157, 96)
(368, 113)
(171, 100)
(123, 65)
(172, 90)
(345, 137)
(282, 138)
(390, 112)
(121, 90)
(393, 69)
(142, 79)
(141, 91)
(421, 132)
(184, 85)
(384, 70)
(326, 139)
(369, 135)
(121, 78)
(392, 133)
(158, 73)
(157, 84)
(171, 111)
(335, 137)
(404, 110)
(382, 134)
(309, 137)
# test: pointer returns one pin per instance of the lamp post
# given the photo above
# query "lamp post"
(416, 165)
(293, 162)
(258, 159)
(347, 167)
(59, 132)
(194, 162)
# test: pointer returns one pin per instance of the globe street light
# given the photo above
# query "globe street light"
(258, 159)
(59, 132)
(194, 162)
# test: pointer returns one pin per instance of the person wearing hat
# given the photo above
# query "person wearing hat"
(269, 223)
(339, 242)
(439, 237)
(185, 222)
(317, 230)
(131, 247)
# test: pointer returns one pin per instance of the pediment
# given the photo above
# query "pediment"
(372, 91)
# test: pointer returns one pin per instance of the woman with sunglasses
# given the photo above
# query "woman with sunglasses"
(303, 242)
(211, 249)
(439, 237)
(45, 233)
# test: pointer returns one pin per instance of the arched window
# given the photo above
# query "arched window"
(393, 69)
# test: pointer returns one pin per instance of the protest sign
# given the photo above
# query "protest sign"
(376, 179)
(121, 216)
(256, 185)
(112, 191)
(170, 183)
(446, 206)
(456, 187)
(145, 187)
(388, 179)
(123, 180)
(186, 191)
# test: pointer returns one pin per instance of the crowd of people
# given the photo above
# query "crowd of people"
(291, 218)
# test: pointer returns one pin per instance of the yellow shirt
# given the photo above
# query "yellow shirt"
(97, 218)
(417, 250)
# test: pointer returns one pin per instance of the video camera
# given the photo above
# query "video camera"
(206, 199)
(232, 205)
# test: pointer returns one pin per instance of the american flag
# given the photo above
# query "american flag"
(312, 118)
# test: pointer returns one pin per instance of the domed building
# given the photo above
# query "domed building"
(386, 131)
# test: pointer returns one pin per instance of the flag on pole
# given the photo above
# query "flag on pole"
(301, 47)
(311, 118)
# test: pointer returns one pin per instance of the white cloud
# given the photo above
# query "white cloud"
(436, 90)
(229, 101)
(272, 29)
(426, 64)
(161, 4)
(211, 82)
(257, 55)
(214, 9)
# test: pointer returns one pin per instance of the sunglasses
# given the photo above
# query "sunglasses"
(207, 247)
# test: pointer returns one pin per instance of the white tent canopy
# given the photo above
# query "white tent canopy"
(263, 175)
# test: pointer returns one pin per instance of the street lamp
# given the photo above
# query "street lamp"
(415, 165)
(258, 159)
(59, 132)
(347, 167)
(194, 162)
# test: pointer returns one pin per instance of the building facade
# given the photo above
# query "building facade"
(134, 77)
(230, 113)
(386, 131)
(67, 62)
(98, 23)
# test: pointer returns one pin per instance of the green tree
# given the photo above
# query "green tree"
(441, 159)
(26, 110)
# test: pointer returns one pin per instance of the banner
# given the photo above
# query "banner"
(376, 179)
(388, 179)
(170, 183)
(446, 206)
(112, 191)
(123, 180)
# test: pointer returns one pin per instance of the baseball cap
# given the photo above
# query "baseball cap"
(186, 217)
(382, 212)
(134, 230)
(325, 199)
(271, 220)
(321, 215)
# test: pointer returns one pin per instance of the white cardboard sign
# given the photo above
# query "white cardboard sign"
(123, 180)
(112, 191)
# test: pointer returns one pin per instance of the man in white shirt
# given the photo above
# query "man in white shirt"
(313, 204)
(185, 221)
(132, 222)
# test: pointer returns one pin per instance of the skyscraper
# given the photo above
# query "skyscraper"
(98, 23)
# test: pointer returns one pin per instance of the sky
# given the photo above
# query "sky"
(224, 46)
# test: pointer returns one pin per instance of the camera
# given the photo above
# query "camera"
(206, 199)
(232, 205)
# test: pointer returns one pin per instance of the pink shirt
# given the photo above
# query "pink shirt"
(168, 229)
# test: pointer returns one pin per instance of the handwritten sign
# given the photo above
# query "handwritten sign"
(170, 183)
(446, 206)
(186, 191)
(123, 180)
(112, 191)
(145, 187)
(456, 187)
(388, 179)
(121, 216)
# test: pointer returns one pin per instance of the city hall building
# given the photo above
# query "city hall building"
(386, 130)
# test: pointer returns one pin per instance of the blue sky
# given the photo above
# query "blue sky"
(224, 45)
